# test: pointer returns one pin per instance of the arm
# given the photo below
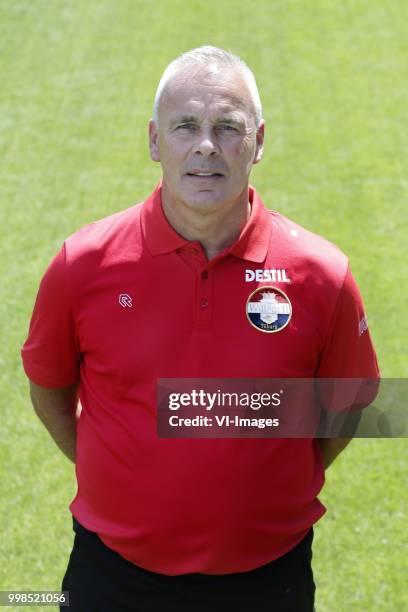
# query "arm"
(58, 410)
(348, 355)
(331, 448)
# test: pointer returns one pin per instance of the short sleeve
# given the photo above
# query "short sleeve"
(348, 350)
(51, 354)
(348, 353)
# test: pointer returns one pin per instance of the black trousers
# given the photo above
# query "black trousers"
(100, 580)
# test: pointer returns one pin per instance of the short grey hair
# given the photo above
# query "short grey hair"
(209, 57)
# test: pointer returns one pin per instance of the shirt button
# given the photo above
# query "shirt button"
(194, 252)
(204, 274)
(204, 303)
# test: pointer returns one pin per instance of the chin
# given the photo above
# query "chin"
(205, 200)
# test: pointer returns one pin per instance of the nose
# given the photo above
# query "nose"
(205, 144)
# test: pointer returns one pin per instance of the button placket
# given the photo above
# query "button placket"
(204, 306)
(203, 281)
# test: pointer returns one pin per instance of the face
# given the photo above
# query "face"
(206, 140)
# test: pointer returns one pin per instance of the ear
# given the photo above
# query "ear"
(153, 141)
(260, 135)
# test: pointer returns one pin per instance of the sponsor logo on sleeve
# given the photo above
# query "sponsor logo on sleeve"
(363, 325)
(268, 309)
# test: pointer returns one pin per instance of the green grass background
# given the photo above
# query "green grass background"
(77, 84)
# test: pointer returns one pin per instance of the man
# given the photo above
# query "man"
(162, 290)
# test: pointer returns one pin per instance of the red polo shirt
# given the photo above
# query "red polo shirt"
(126, 301)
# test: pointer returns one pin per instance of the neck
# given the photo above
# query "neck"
(214, 229)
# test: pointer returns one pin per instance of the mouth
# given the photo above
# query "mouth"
(204, 175)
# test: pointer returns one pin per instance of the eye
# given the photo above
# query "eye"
(226, 127)
(186, 126)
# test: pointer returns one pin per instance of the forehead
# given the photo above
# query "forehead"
(197, 92)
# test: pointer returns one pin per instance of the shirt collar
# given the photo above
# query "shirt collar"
(160, 236)
(252, 244)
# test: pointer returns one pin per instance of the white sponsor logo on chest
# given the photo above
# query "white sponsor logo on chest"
(273, 275)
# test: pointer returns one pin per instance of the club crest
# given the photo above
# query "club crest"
(268, 309)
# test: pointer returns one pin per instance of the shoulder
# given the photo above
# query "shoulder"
(311, 256)
(109, 237)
